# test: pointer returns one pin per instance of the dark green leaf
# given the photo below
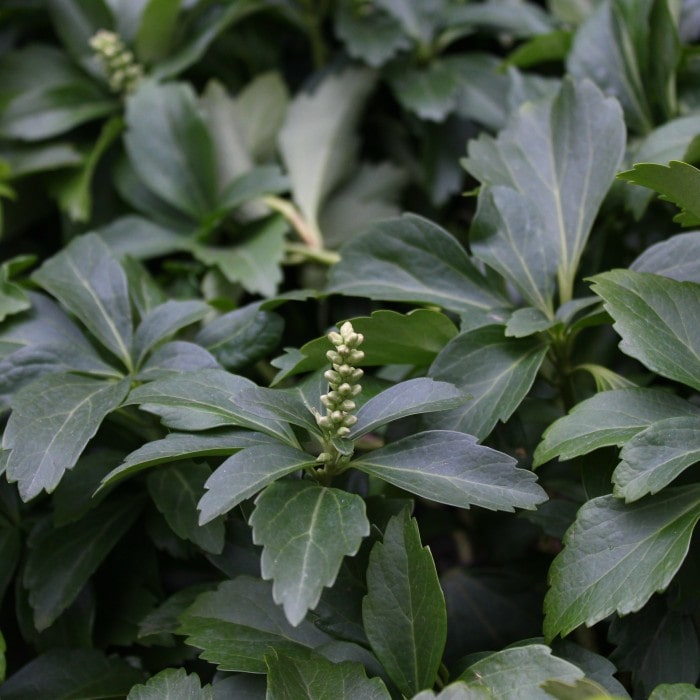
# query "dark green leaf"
(163, 322)
(241, 686)
(62, 560)
(519, 19)
(241, 337)
(675, 691)
(553, 46)
(631, 551)
(156, 29)
(10, 551)
(527, 321)
(316, 678)
(676, 182)
(172, 684)
(176, 446)
(651, 314)
(140, 239)
(421, 395)
(582, 689)
(450, 467)
(202, 400)
(370, 37)
(266, 179)
(597, 668)
(580, 137)
(69, 674)
(318, 141)
(390, 338)
(176, 491)
(677, 257)
(456, 691)
(239, 623)
(656, 645)
(255, 261)
(244, 474)
(176, 356)
(654, 457)
(517, 673)
(306, 530)
(52, 421)
(275, 404)
(608, 418)
(411, 259)
(404, 610)
(76, 22)
(89, 282)
(170, 148)
(494, 370)
(671, 141)
(164, 618)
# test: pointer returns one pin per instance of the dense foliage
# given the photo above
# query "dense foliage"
(349, 349)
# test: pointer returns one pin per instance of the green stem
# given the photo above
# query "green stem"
(306, 231)
(313, 18)
(323, 256)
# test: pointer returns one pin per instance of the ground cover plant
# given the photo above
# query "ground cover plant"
(349, 349)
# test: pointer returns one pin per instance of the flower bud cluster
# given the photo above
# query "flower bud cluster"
(123, 72)
(342, 380)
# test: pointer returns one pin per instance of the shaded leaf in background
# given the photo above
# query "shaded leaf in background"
(306, 530)
(65, 674)
(656, 645)
(631, 552)
(404, 610)
(175, 492)
(677, 257)
(62, 560)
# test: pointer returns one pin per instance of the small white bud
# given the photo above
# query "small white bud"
(332, 377)
(356, 356)
(346, 329)
(342, 432)
(335, 338)
(357, 388)
(356, 374)
(349, 420)
(348, 406)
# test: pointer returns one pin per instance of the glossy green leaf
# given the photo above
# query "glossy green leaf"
(306, 530)
(203, 400)
(654, 457)
(677, 257)
(411, 259)
(62, 560)
(170, 148)
(276, 404)
(52, 421)
(541, 158)
(414, 338)
(244, 474)
(673, 140)
(656, 645)
(519, 672)
(316, 678)
(631, 551)
(494, 370)
(255, 261)
(68, 674)
(553, 46)
(651, 314)
(265, 179)
(609, 418)
(677, 182)
(318, 141)
(456, 691)
(172, 684)
(175, 446)
(87, 279)
(582, 689)
(415, 396)
(527, 321)
(404, 610)
(520, 19)
(175, 492)
(675, 691)
(450, 467)
(140, 239)
(163, 322)
(239, 338)
(239, 623)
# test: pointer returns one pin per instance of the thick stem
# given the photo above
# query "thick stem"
(307, 232)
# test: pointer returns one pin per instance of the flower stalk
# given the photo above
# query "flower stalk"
(343, 381)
